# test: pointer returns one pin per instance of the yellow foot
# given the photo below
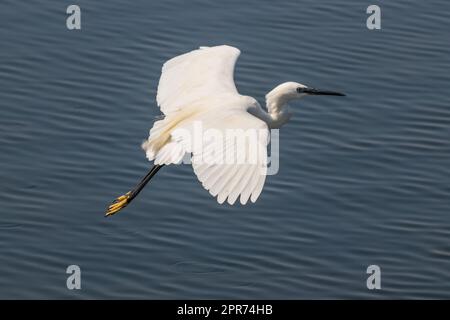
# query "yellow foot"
(118, 204)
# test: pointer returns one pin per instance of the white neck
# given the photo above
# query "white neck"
(277, 109)
(277, 104)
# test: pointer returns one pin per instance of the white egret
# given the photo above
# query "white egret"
(198, 87)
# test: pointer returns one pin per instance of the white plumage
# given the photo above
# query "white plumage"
(198, 74)
(197, 89)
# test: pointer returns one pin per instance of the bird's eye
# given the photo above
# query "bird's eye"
(300, 89)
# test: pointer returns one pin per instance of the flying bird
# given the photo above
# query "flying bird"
(198, 88)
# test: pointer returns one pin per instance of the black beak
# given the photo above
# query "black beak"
(318, 92)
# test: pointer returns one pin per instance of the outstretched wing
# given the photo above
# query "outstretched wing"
(232, 161)
(196, 74)
(198, 87)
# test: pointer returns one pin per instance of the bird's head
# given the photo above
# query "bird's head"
(295, 90)
(277, 100)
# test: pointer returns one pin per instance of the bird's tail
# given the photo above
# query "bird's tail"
(121, 202)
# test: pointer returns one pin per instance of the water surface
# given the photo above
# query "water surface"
(363, 179)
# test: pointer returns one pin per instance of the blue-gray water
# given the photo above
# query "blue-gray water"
(363, 180)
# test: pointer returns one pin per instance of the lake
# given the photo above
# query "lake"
(363, 180)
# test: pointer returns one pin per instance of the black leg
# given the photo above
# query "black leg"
(122, 201)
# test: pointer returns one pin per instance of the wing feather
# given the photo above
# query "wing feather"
(198, 87)
(244, 178)
(196, 74)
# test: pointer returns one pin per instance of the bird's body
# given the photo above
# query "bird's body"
(197, 89)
